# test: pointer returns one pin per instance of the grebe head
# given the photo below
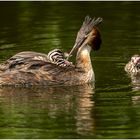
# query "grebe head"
(88, 34)
(94, 39)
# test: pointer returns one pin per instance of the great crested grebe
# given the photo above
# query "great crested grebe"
(32, 68)
(133, 66)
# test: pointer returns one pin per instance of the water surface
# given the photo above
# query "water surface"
(111, 109)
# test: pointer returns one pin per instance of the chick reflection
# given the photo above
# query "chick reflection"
(72, 104)
(135, 81)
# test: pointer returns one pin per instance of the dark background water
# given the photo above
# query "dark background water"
(110, 110)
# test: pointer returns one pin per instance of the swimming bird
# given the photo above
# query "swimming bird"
(33, 68)
(133, 70)
(133, 66)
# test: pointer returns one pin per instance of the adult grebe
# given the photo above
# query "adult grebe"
(32, 68)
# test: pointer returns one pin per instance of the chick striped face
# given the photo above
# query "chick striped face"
(57, 57)
(135, 60)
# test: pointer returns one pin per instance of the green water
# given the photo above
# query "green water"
(110, 110)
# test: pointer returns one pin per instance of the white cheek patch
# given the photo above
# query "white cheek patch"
(86, 51)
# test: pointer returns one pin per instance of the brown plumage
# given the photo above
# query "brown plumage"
(32, 68)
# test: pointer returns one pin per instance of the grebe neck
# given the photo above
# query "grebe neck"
(83, 58)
